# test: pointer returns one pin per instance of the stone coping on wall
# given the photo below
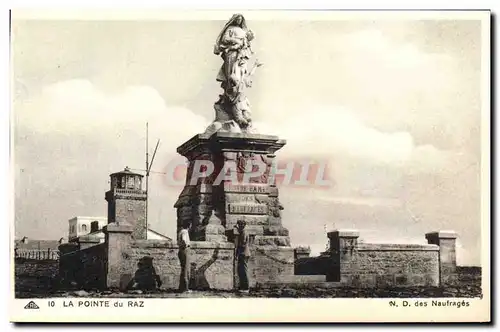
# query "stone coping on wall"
(396, 247)
(442, 234)
(344, 233)
(114, 227)
(302, 249)
(89, 239)
(174, 245)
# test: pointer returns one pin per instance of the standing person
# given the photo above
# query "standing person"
(184, 256)
(243, 255)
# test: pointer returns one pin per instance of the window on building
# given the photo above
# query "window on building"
(113, 182)
(84, 228)
(130, 182)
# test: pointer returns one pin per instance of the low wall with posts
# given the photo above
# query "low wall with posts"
(390, 265)
(347, 262)
(212, 264)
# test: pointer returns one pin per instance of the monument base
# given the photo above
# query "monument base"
(226, 192)
(220, 188)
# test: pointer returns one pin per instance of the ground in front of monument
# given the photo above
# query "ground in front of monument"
(40, 285)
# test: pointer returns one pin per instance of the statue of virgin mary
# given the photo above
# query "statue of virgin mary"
(233, 45)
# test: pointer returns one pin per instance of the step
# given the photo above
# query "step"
(300, 281)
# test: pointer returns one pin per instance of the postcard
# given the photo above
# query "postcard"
(250, 166)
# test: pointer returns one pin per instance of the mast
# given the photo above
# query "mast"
(147, 176)
(148, 169)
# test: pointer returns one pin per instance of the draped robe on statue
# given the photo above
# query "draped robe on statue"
(235, 53)
(233, 108)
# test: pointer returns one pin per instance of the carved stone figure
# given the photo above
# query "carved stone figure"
(232, 110)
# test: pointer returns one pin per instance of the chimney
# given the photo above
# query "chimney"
(94, 226)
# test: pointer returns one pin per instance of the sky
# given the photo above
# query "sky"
(393, 106)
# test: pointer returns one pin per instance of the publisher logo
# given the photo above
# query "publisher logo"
(31, 305)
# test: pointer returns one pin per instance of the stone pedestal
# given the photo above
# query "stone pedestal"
(118, 238)
(342, 251)
(230, 178)
(87, 241)
(343, 240)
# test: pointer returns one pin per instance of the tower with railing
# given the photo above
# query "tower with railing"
(127, 202)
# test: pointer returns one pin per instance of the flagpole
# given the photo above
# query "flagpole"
(147, 177)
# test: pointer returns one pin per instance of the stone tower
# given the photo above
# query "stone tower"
(127, 202)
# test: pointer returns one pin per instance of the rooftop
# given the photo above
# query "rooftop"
(127, 171)
(37, 244)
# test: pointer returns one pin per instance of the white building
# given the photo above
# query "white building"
(79, 226)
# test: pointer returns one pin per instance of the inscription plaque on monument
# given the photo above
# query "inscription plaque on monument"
(246, 208)
(248, 188)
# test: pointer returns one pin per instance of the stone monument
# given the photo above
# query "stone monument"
(231, 167)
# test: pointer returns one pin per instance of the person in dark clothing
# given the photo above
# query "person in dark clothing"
(243, 255)
(184, 257)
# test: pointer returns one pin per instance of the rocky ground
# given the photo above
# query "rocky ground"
(43, 285)
(285, 292)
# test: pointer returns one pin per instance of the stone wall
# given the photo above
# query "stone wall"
(386, 265)
(84, 265)
(94, 261)
(211, 263)
(347, 262)
(270, 264)
(36, 268)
